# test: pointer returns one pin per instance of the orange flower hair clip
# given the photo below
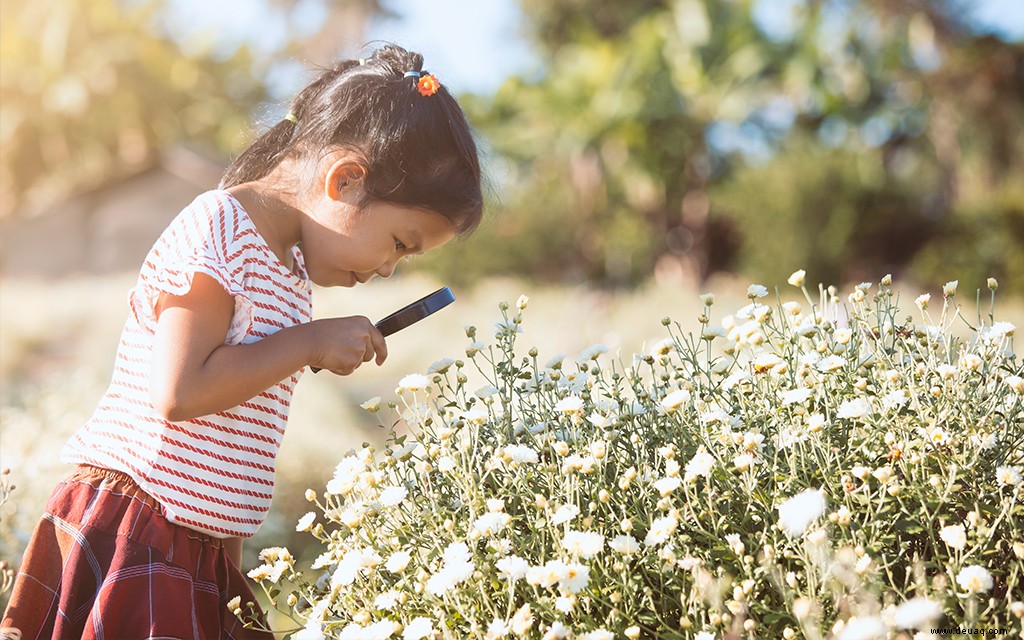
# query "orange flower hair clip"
(427, 85)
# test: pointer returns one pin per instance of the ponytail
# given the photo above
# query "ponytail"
(265, 153)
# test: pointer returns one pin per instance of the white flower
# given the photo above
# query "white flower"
(895, 399)
(418, 628)
(575, 578)
(666, 486)
(457, 568)
(704, 635)
(372, 405)
(797, 278)
(916, 613)
(997, 331)
(946, 371)
(700, 464)
(798, 512)
(1008, 475)
(661, 530)
(1016, 383)
(507, 327)
(486, 391)
(949, 289)
(735, 544)
(491, 523)
(564, 603)
(971, 361)
(570, 404)
(624, 545)
(512, 566)
(414, 382)
(674, 400)
(756, 291)
(752, 441)
(391, 496)
(305, 522)
(954, 536)
(592, 352)
(854, 409)
(446, 464)
(557, 631)
(398, 561)
(475, 416)
(743, 461)
(387, 600)
(974, 579)
(829, 364)
(352, 564)
(598, 634)
(565, 513)
(346, 474)
(496, 629)
(583, 544)
(795, 396)
(522, 302)
(867, 628)
(520, 453)
(922, 301)
(440, 366)
(522, 620)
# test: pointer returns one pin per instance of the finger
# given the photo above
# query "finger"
(380, 346)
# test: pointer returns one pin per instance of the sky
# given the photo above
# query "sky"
(472, 45)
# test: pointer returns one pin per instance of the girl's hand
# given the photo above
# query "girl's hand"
(195, 373)
(340, 345)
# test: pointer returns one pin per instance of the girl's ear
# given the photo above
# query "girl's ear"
(342, 175)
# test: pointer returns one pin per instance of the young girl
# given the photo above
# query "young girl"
(374, 162)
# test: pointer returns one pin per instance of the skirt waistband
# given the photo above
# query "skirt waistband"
(119, 482)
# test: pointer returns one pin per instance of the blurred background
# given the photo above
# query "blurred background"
(638, 153)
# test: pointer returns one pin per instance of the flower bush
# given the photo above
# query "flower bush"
(831, 468)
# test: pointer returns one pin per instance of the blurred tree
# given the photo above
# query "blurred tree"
(90, 89)
(689, 132)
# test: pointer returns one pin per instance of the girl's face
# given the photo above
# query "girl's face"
(345, 245)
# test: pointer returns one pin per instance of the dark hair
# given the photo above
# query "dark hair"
(419, 149)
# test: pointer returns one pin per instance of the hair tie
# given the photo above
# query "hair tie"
(292, 118)
(428, 83)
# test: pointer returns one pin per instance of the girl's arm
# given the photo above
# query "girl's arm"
(196, 374)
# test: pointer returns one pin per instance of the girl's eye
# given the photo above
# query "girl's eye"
(399, 245)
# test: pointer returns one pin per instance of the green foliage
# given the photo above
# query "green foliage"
(91, 89)
(889, 121)
(985, 239)
(836, 211)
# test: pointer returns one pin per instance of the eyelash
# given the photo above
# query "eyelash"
(399, 245)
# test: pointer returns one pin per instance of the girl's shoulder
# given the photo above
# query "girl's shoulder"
(215, 214)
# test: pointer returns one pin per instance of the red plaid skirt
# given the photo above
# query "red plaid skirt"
(104, 562)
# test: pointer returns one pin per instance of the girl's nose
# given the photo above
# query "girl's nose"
(387, 268)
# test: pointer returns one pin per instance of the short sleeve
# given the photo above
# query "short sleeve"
(203, 238)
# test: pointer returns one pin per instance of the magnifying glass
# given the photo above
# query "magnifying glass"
(413, 313)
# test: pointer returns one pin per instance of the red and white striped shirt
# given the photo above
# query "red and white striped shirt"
(215, 473)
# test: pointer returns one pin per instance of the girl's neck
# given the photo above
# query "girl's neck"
(275, 216)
